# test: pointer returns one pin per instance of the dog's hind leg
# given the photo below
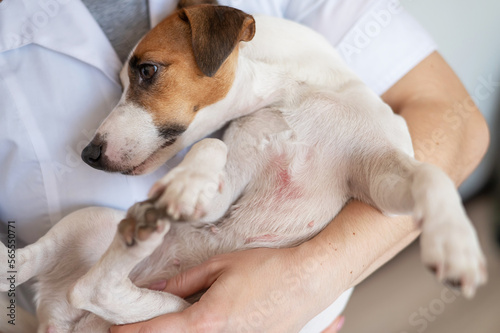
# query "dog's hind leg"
(106, 289)
(59, 244)
(382, 172)
(398, 184)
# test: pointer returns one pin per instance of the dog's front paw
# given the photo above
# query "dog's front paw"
(144, 222)
(186, 193)
(452, 251)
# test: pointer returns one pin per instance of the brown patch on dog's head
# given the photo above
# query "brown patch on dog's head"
(216, 31)
(183, 65)
(187, 62)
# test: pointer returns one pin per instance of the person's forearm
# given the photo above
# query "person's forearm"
(361, 239)
(358, 241)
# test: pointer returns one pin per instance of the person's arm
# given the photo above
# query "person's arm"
(280, 290)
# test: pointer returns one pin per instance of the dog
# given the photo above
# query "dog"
(303, 136)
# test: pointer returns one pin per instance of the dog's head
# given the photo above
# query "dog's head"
(181, 66)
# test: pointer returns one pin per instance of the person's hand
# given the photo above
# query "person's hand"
(258, 290)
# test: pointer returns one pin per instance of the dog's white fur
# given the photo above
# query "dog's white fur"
(306, 136)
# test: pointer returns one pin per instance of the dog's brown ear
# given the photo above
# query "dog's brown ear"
(188, 3)
(215, 32)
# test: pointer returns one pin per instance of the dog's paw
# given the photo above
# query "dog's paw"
(452, 251)
(186, 193)
(143, 223)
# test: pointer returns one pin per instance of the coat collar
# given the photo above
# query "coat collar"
(64, 26)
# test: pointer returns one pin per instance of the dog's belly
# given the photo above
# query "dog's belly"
(279, 208)
(282, 211)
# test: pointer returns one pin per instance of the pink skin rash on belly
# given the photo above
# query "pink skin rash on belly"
(285, 188)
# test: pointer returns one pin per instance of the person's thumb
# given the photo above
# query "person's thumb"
(189, 282)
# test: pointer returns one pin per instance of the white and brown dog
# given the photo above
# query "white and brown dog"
(305, 135)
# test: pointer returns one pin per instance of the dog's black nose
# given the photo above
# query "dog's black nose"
(92, 155)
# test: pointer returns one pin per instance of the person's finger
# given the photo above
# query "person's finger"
(336, 326)
(191, 281)
(174, 322)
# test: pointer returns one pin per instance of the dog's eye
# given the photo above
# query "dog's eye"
(147, 71)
